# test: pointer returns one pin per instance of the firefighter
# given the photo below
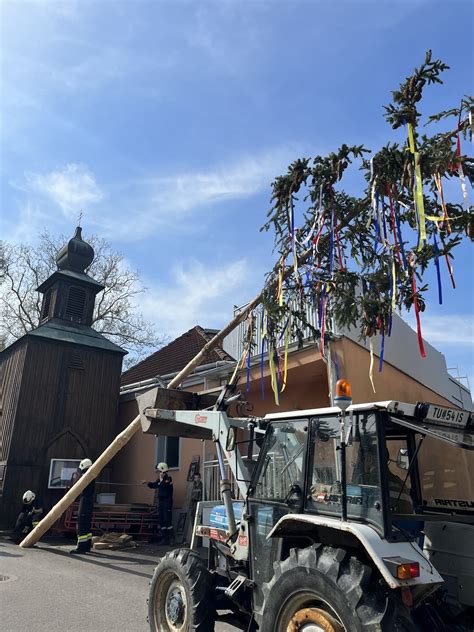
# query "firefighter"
(30, 514)
(84, 514)
(164, 495)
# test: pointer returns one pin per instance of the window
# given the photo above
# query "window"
(283, 463)
(61, 473)
(362, 470)
(46, 304)
(75, 303)
(75, 361)
(168, 450)
(325, 488)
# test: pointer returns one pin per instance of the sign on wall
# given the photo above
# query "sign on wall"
(63, 473)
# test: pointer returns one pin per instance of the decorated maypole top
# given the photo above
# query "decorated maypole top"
(355, 260)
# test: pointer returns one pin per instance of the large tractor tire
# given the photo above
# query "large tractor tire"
(181, 595)
(325, 589)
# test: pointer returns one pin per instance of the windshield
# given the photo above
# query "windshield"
(283, 461)
(362, 469)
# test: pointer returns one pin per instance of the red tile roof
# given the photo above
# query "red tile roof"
(175, 356)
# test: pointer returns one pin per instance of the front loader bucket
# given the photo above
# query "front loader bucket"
(156, 408)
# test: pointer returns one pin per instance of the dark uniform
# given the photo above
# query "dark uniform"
(84, 519)
(29, 516)
(164, 496)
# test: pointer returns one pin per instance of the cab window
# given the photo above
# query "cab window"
(283, 460)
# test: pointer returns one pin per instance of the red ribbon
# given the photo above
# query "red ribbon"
(323, 322)
(417, 314)
(450, 270)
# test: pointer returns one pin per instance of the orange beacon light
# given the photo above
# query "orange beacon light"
(343, 395)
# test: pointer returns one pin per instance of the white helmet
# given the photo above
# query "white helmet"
(28, 497)
(162, 467)
(85, 464)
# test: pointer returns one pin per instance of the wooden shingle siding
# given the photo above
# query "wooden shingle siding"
(11, 367)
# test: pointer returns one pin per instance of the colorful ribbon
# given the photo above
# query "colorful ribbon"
(371, 366)
(263, 327)
(439, 186)
(417, 310)
(417, 189)
(438, 273)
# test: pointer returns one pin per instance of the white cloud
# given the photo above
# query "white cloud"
(129, 210)
(245, 177)
(198, 294)
(448, 329)
(138, 207)
(71, 188)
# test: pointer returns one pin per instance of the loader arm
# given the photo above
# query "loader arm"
(212, 425)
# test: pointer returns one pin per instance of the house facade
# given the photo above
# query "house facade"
(404, 376)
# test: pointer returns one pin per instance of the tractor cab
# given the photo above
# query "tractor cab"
(350, 518)
(326, 475)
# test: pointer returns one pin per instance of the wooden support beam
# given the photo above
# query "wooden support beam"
(57, 511)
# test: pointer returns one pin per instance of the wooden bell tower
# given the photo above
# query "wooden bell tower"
(59, 385)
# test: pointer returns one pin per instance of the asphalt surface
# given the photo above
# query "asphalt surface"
(44, 589)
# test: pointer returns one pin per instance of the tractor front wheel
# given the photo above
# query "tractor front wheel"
(326, 589)
(181, 594)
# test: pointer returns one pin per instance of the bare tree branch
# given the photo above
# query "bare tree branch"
(23, 268)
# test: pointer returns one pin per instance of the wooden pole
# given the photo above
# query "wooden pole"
(124, 437)
(96, 468)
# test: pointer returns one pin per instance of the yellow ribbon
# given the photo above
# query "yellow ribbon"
(439, 186)
(285, 361)
(417, 188)
(280, 282)
(274, 380)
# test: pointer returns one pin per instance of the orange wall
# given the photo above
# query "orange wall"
(137, 460)
(389, 384)
(307, 387)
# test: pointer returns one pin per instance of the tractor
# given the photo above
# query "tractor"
(331, 531)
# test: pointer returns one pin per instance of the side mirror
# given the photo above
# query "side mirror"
(230, 440)
(403, 461)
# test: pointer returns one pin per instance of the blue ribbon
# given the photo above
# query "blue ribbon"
(292, 222)
(384, 208)
(438, 273)
(382, 349)
(320, 310)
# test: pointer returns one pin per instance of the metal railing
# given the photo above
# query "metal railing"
(234, 342)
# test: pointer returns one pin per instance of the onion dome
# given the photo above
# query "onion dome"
(76, 255)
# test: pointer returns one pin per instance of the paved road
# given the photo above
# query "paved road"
(48, 590)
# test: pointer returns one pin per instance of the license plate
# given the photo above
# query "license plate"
(447, 416)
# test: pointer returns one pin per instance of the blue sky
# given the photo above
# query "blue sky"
(167, 121)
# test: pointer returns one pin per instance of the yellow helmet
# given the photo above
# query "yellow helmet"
(162, 467)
